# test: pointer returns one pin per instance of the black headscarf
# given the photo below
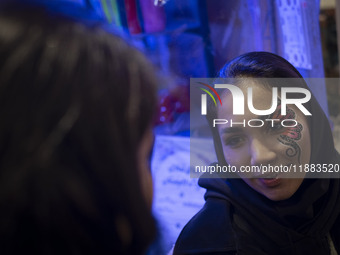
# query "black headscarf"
(300, 224)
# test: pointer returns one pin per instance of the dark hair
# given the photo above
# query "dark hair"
(254, 65)
(259, 65)
(75, 102)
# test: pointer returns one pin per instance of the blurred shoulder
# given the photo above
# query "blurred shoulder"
(209, 231)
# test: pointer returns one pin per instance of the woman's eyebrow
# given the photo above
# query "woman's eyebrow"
(229, 130)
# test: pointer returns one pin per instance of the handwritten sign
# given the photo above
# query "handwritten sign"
(177, 197)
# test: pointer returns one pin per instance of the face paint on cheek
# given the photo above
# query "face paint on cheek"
(291, 136)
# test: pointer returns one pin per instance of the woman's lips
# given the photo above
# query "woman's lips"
(271, 179)
(270, 182)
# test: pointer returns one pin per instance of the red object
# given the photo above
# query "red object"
(166, 108)
(181, 98)
(132, 17)
(172, 102)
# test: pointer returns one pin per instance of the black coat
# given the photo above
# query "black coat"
(208, 232)
(211, 230)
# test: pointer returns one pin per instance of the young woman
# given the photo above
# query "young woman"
(273, 212)
(76, 112)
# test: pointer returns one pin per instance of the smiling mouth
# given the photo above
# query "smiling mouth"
(270, 182)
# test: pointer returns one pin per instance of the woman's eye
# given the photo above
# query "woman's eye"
(234, 141)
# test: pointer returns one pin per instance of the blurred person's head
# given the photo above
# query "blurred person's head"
(76, 112)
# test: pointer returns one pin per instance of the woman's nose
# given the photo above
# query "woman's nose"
(261, 153)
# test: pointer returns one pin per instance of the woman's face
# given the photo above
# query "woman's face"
(272, 144)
